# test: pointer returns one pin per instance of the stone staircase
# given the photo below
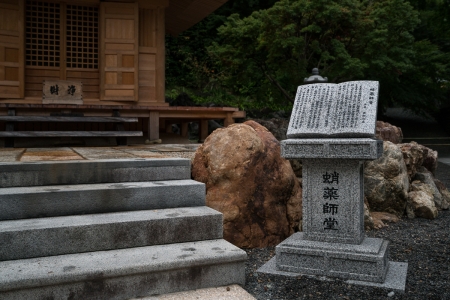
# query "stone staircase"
(109, 229)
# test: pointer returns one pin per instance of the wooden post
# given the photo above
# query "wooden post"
(184, 129)
(228, 120)
(153, 126)
(202, 131)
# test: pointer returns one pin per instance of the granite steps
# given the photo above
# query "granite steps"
(166, 242)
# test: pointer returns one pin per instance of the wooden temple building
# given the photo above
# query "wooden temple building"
(93, 67)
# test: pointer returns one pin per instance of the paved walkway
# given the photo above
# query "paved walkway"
(96, 153)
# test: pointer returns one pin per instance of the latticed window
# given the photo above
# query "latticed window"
(44, 38)
(43, 34)
(82, 37)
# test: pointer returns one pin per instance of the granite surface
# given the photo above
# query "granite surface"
(333, 200)
(361, 149)
(395, 277)
(347, 109)
(369, 263)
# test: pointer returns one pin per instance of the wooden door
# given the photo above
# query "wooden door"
(11, 49)
(119, 54)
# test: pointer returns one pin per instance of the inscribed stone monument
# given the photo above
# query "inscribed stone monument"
(332, 129)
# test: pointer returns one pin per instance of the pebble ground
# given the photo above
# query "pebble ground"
(423, 244)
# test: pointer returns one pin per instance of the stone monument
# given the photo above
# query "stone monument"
(332, 129)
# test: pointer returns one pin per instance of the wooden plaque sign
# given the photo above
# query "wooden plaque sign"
(62, 92)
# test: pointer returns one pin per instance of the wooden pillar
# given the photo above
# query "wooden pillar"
(153, 126)
(228, 120)
(202, 130)
(184, 129)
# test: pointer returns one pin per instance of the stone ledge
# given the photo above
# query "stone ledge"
(363, 149)
(337, 260)
(395, 277)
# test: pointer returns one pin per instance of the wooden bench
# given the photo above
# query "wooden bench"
(154, 119)
(120, 134)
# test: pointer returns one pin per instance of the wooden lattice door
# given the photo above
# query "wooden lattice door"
(119, 57)
(11, 49)
(61, 44)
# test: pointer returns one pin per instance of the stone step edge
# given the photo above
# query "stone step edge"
(40, 237)
(16, 174)
(63, 200)
(56, 270)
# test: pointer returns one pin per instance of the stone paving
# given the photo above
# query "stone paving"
(96, 153)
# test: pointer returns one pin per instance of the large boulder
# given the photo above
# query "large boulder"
(387, 132)
(413, 154)
(279, 127)
(386, 183)
(421, 201)
(250, 183)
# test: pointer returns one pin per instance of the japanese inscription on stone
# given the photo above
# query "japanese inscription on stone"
(331, 196)
(62, 92)
(340, 110)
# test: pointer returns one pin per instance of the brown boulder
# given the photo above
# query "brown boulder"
(250, 183)
(279, 127)
(387, 132)
(386, 181)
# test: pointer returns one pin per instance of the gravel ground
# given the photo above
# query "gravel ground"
(424, 244)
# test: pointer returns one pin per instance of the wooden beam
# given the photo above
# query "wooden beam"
(69, 133)
(65, 119)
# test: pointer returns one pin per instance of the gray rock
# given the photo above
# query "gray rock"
(445, 193)
(421, 204)
(426, 178)
(386, 182)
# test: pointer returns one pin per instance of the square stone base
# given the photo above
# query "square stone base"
(395, 277)
(365, 262)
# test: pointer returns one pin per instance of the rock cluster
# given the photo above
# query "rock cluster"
(260, 194)
(402, 182)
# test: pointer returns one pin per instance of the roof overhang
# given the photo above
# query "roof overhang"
(182, 14)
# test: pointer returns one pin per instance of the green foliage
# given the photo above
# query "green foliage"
(257, 60)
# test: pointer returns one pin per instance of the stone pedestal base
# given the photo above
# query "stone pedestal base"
(365, 262)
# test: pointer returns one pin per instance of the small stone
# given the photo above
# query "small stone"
(391, 294)
(228, 288)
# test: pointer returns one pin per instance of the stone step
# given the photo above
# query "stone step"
(76, 234)
(124, 273)
(15, 174)
(63, 200)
